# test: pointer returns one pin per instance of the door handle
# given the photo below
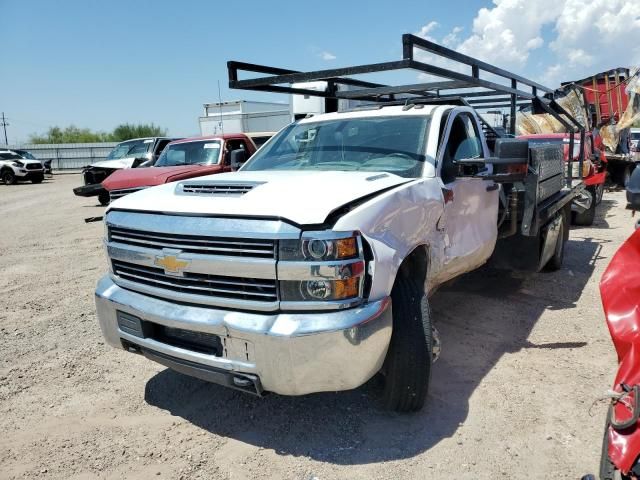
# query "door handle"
(493, 187)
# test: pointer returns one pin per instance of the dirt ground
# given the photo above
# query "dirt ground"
(524, 358)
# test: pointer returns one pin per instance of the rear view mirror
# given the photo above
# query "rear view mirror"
(238, 157)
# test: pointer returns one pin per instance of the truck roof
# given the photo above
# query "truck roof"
(377, 111)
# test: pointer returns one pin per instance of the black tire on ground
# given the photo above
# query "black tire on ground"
(599, 193)
(626, 176)
(586, 218)
(103, 198)
(555, 263)
(8, 177)
(407, 368)
(37, 180)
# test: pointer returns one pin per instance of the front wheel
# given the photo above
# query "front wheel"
(407, 368)
(608, 470)
(103, 198)
(9, 178)
(599, 193)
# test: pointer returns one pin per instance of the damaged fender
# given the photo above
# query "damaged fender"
(620, 292)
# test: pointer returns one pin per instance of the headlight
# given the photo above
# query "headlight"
(321, 270)
(18, 164)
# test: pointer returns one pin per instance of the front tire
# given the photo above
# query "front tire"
(608, 470)
(104, 198)
(407, 368)
(9, 178)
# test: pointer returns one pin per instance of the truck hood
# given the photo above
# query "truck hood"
(301, 197)
(151, 176)
(115, 164)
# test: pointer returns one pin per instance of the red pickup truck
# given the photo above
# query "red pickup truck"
(182, 159)
(594, 167)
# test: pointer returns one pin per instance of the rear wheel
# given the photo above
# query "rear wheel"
(8, 177)
(555, 263)
(599, 193)
(586, 218)
(407, 368)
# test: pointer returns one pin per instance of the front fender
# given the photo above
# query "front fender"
(395, 223)
(620, 292)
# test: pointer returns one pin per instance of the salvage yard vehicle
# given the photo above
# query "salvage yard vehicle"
(620, 292)
(130, 154)
(182, 159)
(594, 170)
(606, 93)
(310, 269)
(15, 168)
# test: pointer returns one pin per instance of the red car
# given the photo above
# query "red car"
(594, 167)
(181, 159)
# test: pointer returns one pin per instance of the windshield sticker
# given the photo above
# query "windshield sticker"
(147, 141)
(211, 145)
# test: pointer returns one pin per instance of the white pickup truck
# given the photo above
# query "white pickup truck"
(310, 269)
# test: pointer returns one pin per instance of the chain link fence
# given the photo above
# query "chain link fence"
(68, 156)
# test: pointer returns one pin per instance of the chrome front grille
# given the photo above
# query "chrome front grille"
(238, 247)
(248, 289)
(115, 194)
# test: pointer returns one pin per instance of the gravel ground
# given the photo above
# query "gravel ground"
(524, 358)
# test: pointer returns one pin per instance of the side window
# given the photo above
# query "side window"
(234, 145)
(463, 142)
(160, 146)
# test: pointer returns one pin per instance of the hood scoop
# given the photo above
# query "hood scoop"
(215, 188)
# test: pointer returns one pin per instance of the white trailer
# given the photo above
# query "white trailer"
(243, 116)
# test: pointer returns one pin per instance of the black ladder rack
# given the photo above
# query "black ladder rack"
(455, 87)
(478, 92)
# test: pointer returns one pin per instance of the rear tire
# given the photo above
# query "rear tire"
(599, 193)
(555, 262)
(8, 177)
(407, 368)
(586, 218)
(104, 198)
(626, 176)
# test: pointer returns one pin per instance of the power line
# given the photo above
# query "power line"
(4, 126)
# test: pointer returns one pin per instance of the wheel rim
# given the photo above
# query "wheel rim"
(7, 178)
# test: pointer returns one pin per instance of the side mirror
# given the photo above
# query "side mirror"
(238, 157)
(633, 190)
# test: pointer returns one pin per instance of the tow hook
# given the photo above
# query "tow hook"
(436, 348)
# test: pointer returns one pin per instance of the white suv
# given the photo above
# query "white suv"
(14, 168)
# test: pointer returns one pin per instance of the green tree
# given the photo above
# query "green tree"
(70, 134)
(73, 134)
(128, 131)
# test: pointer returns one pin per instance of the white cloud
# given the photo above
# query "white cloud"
(327, 56)
(582, 37)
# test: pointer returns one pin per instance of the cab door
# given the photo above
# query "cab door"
(470, 219)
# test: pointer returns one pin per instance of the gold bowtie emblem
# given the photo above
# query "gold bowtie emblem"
(171, 263)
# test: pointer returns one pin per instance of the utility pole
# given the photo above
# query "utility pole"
(4, 126)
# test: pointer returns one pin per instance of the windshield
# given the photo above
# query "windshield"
(132, 148)
(635, 135)
(190, 153)
(27, 155)
(376, 144)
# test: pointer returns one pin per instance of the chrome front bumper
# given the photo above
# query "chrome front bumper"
(291, 354)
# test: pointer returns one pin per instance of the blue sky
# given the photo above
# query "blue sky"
(96, 64)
